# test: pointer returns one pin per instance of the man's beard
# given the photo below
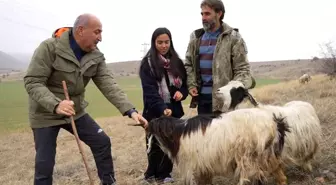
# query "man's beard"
(208, 26)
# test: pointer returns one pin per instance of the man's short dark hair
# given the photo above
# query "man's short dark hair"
(216, 5)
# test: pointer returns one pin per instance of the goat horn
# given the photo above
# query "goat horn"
(253, 101)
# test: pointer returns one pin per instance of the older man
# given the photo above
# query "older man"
(71, 55)
(216, 54)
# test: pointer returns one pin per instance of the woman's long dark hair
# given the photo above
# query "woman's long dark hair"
(176, 64)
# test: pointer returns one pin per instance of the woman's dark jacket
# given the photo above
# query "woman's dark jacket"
(153, 103)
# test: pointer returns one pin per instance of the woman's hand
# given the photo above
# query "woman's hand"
(167, 112)
(178, 96)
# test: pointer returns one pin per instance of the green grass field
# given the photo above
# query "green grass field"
(14, 99)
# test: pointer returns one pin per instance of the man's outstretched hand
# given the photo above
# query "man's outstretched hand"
(139, 119)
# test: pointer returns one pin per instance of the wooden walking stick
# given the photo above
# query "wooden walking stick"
(77, 137)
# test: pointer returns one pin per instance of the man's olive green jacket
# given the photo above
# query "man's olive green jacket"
(54, 61)
(229, 62)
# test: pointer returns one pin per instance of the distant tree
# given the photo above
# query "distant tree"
(328, 53)
(315, 59)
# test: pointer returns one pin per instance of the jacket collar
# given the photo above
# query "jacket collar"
(79, 52)
(224, 29)
(64, 50)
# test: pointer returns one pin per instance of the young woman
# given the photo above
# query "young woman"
(163, 79)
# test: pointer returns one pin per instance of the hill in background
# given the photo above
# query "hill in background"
(8, 63)
(282, 69)
(22, 57)
(14, 65)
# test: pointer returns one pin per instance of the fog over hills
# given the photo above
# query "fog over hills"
(281, 69)
(10, 63)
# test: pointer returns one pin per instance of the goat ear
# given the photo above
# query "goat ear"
(237, 96)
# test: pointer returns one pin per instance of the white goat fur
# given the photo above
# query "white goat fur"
(233, 144)
(302, 143)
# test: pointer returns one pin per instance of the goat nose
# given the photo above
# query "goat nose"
(217, 90)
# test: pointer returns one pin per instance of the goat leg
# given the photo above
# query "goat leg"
(280, 176)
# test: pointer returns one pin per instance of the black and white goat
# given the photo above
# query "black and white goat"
(302, 143)
(246, 144)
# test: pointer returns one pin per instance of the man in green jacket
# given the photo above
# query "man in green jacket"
(71, 55)
(216, 54)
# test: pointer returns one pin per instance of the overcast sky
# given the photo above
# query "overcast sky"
(273, 30)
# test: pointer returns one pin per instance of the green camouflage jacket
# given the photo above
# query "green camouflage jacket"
(53, 61)
(229, 61)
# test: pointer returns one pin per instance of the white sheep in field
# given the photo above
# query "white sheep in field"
(305, 78)
(302, 143)
(244, 144)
